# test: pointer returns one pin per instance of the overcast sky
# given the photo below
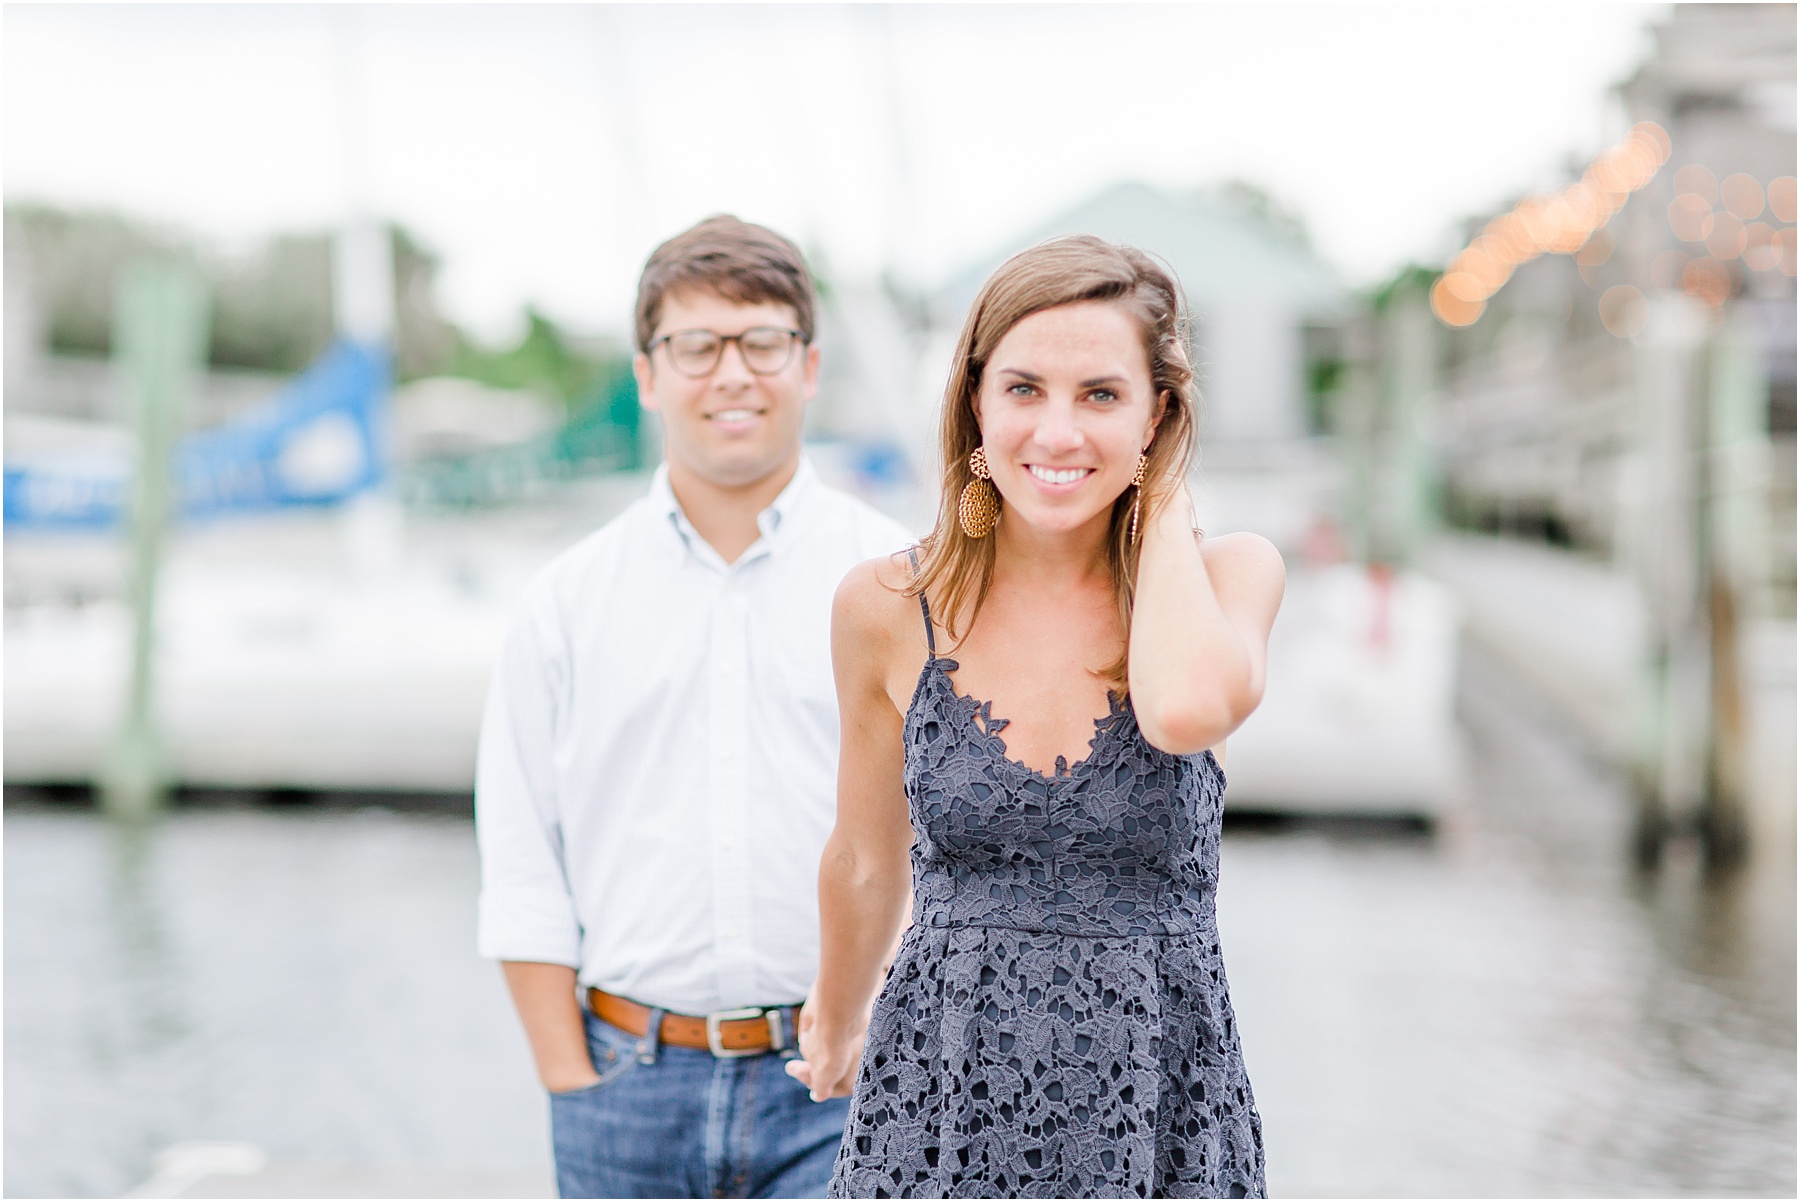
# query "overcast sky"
(543, 151)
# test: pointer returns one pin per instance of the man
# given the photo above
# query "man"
(657, 767)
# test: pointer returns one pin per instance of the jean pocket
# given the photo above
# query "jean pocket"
(613, 1053)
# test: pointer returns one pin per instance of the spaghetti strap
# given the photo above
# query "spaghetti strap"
(912, 557)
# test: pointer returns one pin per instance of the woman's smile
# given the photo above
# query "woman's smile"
(1059, 479)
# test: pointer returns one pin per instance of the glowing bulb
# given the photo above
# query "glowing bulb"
(1653, 136)
(1760, 251)
(1742, 195)
(1451, 309)
(1707, 281)
(1622, 310)
(1781, 199)
(1699, 181)
(1690, 217)
(1726, 238)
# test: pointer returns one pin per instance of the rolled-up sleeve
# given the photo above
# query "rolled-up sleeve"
(526, 910)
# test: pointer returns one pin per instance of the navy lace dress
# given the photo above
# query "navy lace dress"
(1057, 1021)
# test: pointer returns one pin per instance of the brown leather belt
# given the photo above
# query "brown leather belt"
(726, 1033)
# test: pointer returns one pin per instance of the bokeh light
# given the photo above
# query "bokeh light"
(1708, 281)
(1690, 216)
(1623, 311)
(1464, 287)
(1657, 138)
(1726, 238)
(1535, 223)
(1452, 309)
(1612, 171)
(1698, 181)
(1742, 195)
(1508, 239)
(1666, 268)
(1564, 224)
(1577, 212)
(1760, 253)
(1781, 199)
(1784, 246)
(1596, 250)
(1490, 271)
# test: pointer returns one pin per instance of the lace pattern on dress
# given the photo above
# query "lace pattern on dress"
(1057, 1022)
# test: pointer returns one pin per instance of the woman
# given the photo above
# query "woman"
(1056, 1020)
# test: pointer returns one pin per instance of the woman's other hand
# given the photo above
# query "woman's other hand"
(828, 1060)
(865, 875)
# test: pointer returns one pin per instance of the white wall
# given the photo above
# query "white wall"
(1251, 364)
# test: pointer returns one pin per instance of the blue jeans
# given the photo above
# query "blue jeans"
(690, 1125)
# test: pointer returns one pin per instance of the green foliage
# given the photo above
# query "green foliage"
(596, 388)
(602, 435)
(272, 307)
(272, 311)
(1261, 205)
(271, 303)
(1413, 278)
(1324, 377)
(73, 261)
(424, 342)
(543, 361)
(605, 426)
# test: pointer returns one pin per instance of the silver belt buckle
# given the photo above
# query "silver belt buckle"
(776, 1042)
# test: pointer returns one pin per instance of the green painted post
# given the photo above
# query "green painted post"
(1663, 547)
(1411, 344)
(159, 346)
(1734, 539)
(1358, 401)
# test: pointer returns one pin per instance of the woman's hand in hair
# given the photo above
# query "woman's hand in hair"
(1200, 629)
(1167, 499)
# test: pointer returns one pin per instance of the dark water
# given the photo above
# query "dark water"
(1508, 1008)
(1502, 1007)
(303, 981)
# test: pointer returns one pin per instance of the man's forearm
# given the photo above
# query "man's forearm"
(544, 995)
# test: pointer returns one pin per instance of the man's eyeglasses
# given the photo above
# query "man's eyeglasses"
(694, 353)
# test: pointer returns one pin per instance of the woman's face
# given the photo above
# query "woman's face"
(1066, 405)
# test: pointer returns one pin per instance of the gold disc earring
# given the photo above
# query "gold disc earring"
(1137, 499)
(978, 509)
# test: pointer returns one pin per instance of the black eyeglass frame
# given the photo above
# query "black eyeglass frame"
(795, 338)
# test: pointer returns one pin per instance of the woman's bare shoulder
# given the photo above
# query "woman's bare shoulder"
(1246, 567)
(871, 601)
(1248, 557)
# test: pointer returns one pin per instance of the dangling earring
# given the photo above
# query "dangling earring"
(1137, 500)
(978, 509)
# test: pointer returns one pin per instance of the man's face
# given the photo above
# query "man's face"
(731, 426)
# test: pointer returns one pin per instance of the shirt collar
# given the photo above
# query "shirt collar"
(777, 523)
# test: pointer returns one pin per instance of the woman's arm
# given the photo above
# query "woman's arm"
(1199, 628)
(864, 874)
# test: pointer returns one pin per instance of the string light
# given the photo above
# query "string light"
(1559, 224)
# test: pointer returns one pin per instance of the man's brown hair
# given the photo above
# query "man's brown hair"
(746, 264)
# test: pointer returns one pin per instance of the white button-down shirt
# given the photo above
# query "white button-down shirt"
(658, 763)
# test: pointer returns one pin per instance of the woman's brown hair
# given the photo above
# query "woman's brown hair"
(956, 571)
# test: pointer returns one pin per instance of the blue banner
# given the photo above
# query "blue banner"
(317, 441)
